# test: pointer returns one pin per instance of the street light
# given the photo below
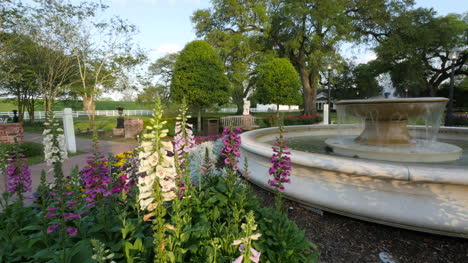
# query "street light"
(448, 117)
(329, 68)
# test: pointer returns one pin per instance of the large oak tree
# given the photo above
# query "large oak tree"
(308, 33)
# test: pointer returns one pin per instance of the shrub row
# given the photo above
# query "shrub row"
(271, 120)
(29, 149)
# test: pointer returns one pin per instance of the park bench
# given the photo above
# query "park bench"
(245, 122)
(84, 132)
(88, 132)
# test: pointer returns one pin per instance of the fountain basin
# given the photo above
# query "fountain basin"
(421, 152)
(429, 198)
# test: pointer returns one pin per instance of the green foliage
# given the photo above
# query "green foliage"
(7, 105)
(305, 32)
(278, 83)
(271, 120)
(199, 76)
(282, 240)
(365, 79)
(416, 50)
(198, 227)
(29, 149)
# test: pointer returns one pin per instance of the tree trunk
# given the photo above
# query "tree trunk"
(88, 103)
(199, 125)
(277, 115)
(89, 106)
(240, 107)
(310, 88)
(30, 108)
(20, 103)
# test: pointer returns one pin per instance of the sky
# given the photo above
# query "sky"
(165, 25)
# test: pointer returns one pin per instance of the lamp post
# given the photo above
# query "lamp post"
(448, 117)
(329, 68)
(406, 92)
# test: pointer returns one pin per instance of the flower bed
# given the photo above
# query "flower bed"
(460, 119)
(143, 206)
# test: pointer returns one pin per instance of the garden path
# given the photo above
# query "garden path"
(82, 145)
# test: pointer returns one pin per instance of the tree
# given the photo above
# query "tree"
(103, 50)
(306, 32)
(150, 92)
(278, 83)
(163, 69)
(417, 46)
(199, 77)
(309, 32)
(239, 43)
(9, 11)
(21, 79)
(48, 58)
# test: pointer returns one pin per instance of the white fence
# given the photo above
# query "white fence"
(232, 110)
(39, 115)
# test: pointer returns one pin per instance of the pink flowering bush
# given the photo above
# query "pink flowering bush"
(280, 169)
(281, 164)
(230, 151)
(18, 175)
(96, 178)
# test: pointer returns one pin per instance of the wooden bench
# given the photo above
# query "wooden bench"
(245, 122)
(89, 132)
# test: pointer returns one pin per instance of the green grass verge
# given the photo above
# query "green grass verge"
(40, 158)
(10, 104)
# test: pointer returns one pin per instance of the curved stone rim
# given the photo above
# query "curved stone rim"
(395, 154)
(384, 101)
(360, 167)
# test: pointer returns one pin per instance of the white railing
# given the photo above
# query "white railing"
(39, 115)
(232, 110)
(246, 122)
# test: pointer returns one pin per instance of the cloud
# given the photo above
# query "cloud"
(366, 57)
(165, 49)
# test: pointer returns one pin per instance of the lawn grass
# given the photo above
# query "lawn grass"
(40, 158)
(8, 105)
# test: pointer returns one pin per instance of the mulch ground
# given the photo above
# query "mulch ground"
(344, 239)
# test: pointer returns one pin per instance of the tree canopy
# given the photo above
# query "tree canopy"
(417, 47)
(308, 33)
(278, 83)
(199, 76)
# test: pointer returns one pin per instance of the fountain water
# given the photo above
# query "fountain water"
(385, 135)
(385, 81)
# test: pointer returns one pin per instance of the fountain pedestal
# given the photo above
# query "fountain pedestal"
(385, 133)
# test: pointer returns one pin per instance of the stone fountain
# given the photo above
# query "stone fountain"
(385, 134)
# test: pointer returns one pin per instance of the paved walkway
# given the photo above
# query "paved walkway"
(82, 145)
